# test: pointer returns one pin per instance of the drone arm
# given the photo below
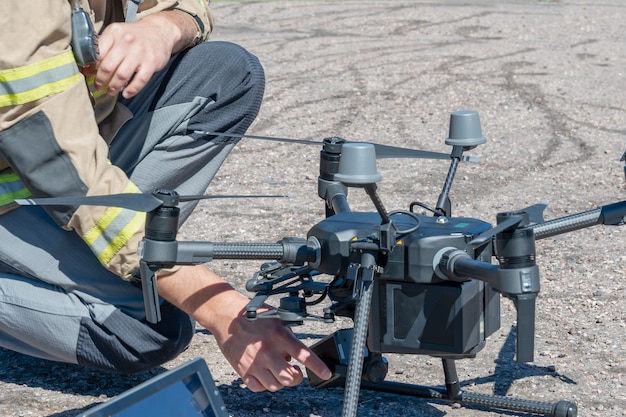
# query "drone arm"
(167, 253)
(611, 215)
(157, 254)
(457, 265)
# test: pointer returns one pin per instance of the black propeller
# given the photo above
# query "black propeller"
(137, 202)
(382, 151)
(149, 202)
(535, 215)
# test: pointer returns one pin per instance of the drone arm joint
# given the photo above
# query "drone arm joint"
(335, 194)
(157, 252)
(614, 214)
(457, 265)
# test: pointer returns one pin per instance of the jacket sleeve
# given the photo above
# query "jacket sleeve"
(49, 137)
(198, 9)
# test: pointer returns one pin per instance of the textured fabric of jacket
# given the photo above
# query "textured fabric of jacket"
(53, 140)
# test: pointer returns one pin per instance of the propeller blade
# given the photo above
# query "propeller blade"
(270, 138)
(386, 151)
(137, 202)
(184, 198)
(535, 212)
(486, 236)
(535, 215)
(382, 151)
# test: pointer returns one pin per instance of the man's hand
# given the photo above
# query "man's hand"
(260, 351)
(130, 53)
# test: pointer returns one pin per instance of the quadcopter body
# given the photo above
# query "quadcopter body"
(414, 310)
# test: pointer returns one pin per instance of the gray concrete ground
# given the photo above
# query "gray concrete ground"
(548, 80)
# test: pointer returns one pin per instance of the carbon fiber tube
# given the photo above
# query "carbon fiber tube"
(359, 336)
(559, 409)
(567, 224)
(611, 215)
(258, 251)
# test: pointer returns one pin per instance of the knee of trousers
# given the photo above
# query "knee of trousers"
(234, 57)
(233, 67)
(125, 345)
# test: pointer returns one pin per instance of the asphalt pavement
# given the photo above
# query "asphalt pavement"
(548, 79)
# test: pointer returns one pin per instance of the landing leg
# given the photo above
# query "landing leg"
(453, 393)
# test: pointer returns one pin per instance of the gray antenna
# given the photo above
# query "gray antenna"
(465, 133)
(465, 129)
(357, 168)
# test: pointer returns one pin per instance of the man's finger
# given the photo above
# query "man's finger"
(297, 376)
(137, 82)
(268, 381)
(253, 384)
(313, 362)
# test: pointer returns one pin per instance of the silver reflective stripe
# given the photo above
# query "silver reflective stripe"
(38, 80)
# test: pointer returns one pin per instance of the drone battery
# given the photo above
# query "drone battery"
(450, 320)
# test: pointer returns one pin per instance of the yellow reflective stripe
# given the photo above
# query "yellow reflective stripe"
(8, 198)
(38, 80)
(38, 67)
(10, 177)
(114, 229)
(137, 222)
(11, 187)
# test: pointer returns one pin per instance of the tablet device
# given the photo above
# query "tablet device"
(185, 391)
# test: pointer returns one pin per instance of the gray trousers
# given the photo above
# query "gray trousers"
(56, 301)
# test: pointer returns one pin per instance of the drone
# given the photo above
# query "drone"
(419, 281)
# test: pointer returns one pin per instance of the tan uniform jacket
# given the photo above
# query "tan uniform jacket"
(38, 77)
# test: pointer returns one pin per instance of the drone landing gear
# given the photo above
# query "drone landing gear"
(454, 394)
(334, 351)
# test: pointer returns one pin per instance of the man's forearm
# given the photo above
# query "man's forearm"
(203, 295)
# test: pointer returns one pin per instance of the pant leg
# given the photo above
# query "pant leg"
(58, 303)
(213, 87)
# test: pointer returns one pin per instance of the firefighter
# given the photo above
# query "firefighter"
(127, 124)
